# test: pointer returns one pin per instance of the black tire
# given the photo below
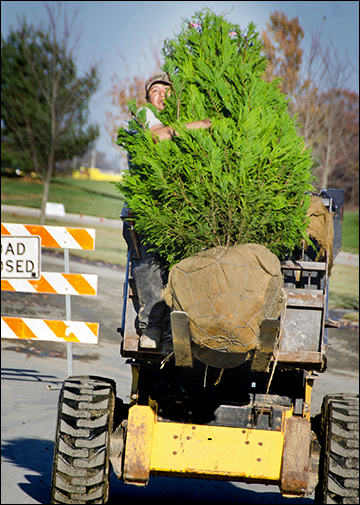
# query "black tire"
(81, 455)
(339, 458)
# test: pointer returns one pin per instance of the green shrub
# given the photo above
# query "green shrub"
(243, 180)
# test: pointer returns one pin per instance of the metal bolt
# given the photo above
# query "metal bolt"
(249, 417)
(248, 425)
(278, 419)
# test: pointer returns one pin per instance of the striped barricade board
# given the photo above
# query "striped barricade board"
(54, 283)
(51, 283)
(49, 330)
(53, 236)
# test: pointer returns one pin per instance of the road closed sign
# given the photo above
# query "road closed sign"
(20, 257)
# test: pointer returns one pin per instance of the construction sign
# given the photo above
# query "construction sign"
(21, 272)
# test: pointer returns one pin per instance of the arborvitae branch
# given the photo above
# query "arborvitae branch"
(244, 179)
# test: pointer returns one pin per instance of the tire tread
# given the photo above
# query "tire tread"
(339, 461)
(81, 454)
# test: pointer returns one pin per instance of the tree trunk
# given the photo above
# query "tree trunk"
(329, 155)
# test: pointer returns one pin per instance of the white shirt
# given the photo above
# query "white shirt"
(151, 119)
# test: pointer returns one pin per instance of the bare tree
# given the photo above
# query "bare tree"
(124, 89)
(281, 46)
(328, 110)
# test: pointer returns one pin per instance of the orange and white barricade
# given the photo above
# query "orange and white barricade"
(16, 276)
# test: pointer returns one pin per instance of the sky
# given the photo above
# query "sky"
(121, 36)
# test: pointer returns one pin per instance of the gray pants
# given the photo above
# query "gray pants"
(150, 274)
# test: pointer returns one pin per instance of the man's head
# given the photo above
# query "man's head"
(156, 87)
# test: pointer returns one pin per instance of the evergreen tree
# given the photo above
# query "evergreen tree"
(44, 102)
(243, 180)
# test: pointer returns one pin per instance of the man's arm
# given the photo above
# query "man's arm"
(161, 132)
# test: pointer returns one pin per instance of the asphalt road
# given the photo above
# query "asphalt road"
(29, 406)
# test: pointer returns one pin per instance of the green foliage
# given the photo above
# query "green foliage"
(44, 103)
(244, 179)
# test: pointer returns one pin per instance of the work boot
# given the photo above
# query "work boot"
(150, 338)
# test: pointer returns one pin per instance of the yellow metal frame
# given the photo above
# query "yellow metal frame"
(309, 383)
(155, 447)
(216, 452)
(189, 450)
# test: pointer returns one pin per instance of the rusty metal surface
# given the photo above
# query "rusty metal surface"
(304, 265)
(304, 297)
(181, 338)
(130, 344)
(299, 357)
(134, 395)
(313, 464)
(117, 440)
(131, 338)
(135, 239)
(296, 457)
(330, 323)
(138, 445)
(269, 330)
(132, 288)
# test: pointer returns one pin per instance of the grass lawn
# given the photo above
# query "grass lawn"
(98, 186)
(350, 232)
(344, 287)
(93, 198)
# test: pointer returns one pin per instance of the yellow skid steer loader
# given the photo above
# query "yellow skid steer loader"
(249, 423)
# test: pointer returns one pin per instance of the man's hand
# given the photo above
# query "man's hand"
(160, 132)
(195, 125)
(165, 132)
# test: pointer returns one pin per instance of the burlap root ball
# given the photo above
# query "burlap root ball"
(227, 293)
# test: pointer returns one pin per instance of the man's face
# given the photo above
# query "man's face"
(157, 93)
